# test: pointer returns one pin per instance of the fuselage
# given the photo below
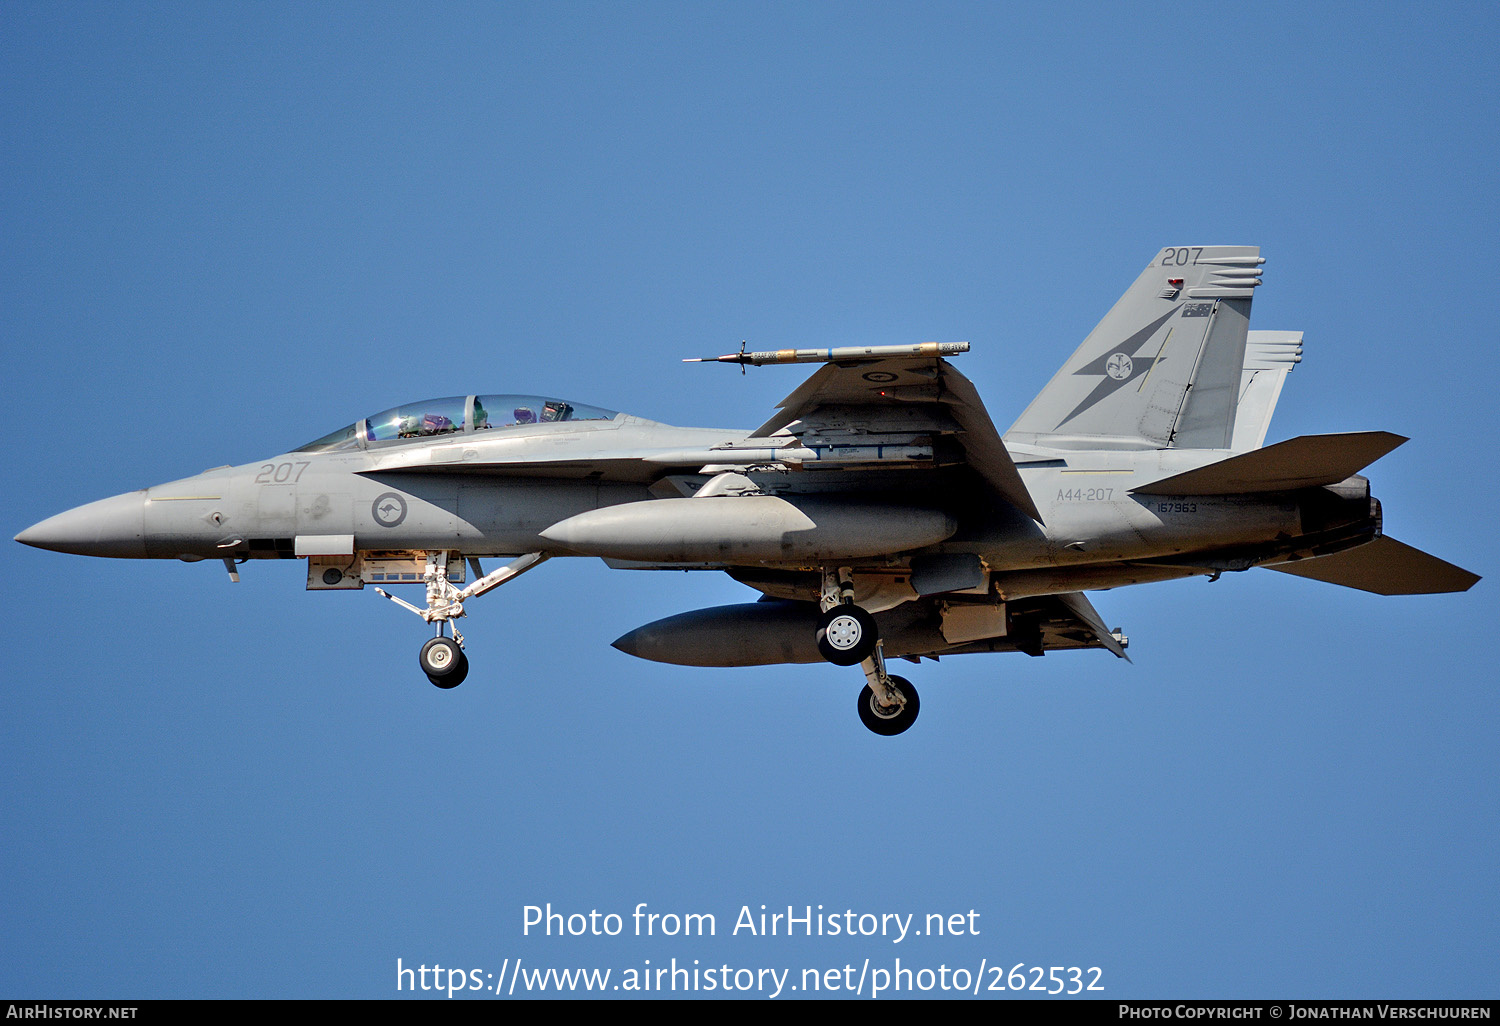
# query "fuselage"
(496, 494)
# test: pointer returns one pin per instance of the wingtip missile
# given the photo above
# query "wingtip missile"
(838, 354)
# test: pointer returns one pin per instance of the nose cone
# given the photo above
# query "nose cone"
(110, 527)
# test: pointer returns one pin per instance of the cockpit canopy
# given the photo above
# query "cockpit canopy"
(456, 414)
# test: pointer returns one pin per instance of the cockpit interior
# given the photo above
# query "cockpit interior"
(467, 414)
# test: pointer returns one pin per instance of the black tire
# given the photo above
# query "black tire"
(847, 635)
(889, 725)
(441, 658)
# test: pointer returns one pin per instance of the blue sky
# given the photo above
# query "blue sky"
(229, 229)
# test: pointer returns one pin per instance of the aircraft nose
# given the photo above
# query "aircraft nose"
(110, 527)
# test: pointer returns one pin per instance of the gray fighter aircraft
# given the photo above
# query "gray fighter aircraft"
(879, 513)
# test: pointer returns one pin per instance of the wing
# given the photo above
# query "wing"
(1046, 623)
(876, 412)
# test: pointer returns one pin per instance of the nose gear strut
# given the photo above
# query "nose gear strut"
(442, 659)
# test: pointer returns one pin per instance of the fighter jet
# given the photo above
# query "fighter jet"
(879, 513)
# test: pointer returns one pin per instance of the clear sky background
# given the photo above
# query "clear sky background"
(228, 229)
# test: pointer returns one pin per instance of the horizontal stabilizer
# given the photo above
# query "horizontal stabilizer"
(1385, 567)
(1307, 461)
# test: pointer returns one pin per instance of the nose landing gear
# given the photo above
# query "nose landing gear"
(443, 658)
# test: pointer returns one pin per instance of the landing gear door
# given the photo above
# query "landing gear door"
(335, 573)
(353, 572)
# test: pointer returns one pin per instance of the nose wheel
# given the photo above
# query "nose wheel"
(444, 662)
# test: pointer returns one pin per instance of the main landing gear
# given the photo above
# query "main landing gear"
(889, 717)
(443, 658)
(848, 635)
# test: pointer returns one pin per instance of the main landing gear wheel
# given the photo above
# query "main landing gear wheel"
(444, 662)
(847, 635)
(889, 719)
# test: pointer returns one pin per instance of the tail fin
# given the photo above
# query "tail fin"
(1269, 357)
(1164, 367)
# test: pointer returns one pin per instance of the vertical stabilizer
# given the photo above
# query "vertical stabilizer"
(1269, 357)
(1164, 367)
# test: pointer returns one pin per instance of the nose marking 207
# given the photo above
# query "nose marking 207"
(281, 473)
